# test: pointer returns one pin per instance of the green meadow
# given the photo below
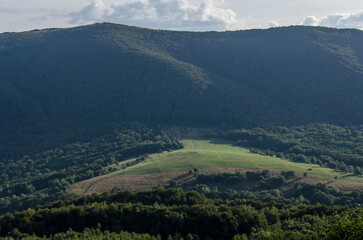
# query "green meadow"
(217, 153)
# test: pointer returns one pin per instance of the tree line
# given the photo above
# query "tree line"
(176, 214)
(336, 147)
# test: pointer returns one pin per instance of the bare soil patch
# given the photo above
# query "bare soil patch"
(132, 183)
(148, 181)
(342, 185)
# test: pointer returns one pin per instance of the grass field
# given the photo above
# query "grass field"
(207, 155)
(217, 153)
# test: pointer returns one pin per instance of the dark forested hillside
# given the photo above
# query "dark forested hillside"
(60, 81)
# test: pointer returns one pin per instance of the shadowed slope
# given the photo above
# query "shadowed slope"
(66, 79)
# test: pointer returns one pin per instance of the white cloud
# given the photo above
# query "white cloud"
(337, 20)
(273, 24)
(311, 21)
(165, 14)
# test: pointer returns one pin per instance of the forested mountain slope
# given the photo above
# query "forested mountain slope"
(59, 80)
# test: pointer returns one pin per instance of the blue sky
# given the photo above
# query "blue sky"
(194, 15)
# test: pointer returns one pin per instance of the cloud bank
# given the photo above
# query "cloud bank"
(164, 14)
(337, 21)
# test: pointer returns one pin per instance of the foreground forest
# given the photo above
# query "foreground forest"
(174, 214)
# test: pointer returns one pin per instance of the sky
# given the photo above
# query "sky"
(190, 15)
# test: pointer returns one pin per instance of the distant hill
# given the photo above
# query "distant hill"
(60, 80)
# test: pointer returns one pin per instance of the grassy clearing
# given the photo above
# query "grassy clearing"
(217, 153)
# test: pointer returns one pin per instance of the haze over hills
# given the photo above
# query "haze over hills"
(57, 80)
